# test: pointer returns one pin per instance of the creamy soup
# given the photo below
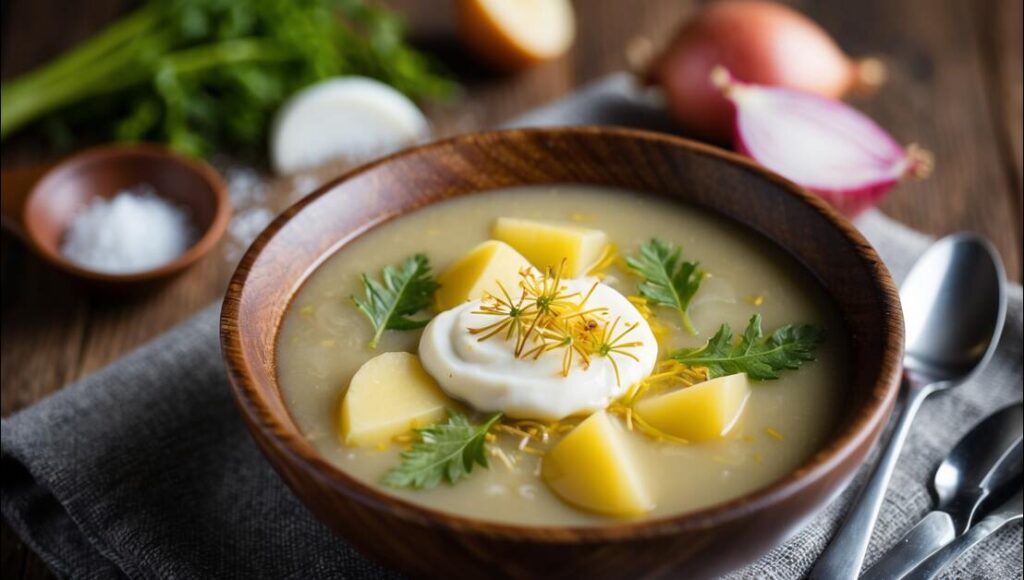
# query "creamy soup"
(767, 429)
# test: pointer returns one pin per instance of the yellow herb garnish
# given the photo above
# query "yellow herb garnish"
(514, 317)
(610, 345)
(547, 317)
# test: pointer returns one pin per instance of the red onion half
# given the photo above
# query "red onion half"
(822, 144)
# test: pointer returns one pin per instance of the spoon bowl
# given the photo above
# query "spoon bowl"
(951, 316)
(980, 463)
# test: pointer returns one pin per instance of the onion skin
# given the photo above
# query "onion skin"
(758, 42)
(852, 203)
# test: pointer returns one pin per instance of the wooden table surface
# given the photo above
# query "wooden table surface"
(955, 88)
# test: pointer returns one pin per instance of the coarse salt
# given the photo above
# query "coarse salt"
(133, 231)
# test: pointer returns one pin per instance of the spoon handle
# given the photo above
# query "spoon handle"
(843, 557)
(931, 567)
(934, 531)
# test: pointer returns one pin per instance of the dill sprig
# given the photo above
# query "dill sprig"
(610, 345)
(514, 316)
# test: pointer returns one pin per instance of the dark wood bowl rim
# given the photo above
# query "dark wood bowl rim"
(286, 437)
(104, 154)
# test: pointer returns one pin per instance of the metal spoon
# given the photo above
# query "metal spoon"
(1010, 511)
(984, 460)
(954, 305)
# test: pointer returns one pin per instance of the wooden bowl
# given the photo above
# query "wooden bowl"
(424, 542)
(42, 214)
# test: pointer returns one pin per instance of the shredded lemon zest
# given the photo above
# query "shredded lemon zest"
(641, 305)
(756, 300)
(774, 434)
(667, 374)
(608, 256)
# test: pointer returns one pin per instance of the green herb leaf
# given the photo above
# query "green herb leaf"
(207, 75)
(668, 281)
(400, 293)
(446, 452)
(761, 358)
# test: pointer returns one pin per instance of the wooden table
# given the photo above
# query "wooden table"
(955, 87)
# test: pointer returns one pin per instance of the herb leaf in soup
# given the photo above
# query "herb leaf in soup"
(761, 358)
(401, 292)
(668, 281)
(445, 452)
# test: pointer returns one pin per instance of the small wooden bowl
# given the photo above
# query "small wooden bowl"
(424, 542)
(42, 214)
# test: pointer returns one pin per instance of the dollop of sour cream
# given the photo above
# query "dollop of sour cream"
(488, 376)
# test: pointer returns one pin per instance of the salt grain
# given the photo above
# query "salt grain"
(248, 224)
(136, 230)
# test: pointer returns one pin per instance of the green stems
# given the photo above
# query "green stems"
(105, 62)
(72, 62)
(117, 70)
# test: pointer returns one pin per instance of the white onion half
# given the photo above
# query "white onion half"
(355, 119)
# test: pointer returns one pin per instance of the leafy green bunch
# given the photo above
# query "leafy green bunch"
(203, 75)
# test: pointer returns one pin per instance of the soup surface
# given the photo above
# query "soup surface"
(323, 342)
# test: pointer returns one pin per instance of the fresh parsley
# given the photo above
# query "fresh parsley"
(445, 452)
(761, 358)
(399, 293)
(668, 281)
(209, 75)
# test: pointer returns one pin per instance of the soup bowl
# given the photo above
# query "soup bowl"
(421, 541)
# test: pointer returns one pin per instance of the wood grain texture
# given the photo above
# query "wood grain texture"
(956, 88)
(699, 544)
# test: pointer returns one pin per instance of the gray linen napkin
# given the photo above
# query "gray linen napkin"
(145, 469)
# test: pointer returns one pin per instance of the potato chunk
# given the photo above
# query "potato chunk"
(390, 395)
(591, 468)
(479, 271)
(702, 412)
(546, 243)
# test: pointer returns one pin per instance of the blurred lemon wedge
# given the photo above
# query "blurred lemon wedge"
(514, 34)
